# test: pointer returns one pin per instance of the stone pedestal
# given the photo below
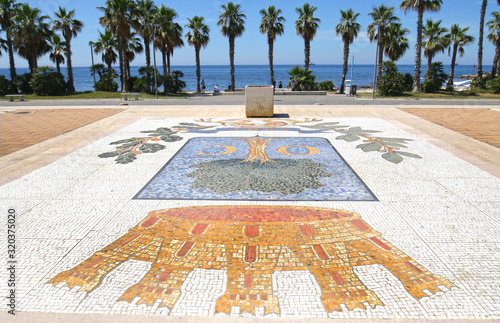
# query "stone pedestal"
(259, 101)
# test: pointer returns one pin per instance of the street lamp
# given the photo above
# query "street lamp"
(379, 24)
(154, 54)
(92, 55)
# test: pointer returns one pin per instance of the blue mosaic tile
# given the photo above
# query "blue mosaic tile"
(257, 168)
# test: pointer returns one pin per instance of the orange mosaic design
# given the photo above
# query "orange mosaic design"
(251, 243)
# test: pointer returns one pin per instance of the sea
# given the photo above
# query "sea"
(362, 75)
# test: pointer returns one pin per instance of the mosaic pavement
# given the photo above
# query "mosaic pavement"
(317, 218)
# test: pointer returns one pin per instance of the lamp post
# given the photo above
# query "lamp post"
(92, 55)
(379, 24)
(154, 55)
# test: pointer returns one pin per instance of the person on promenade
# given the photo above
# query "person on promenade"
(280, 85)
(229, 87)
(216, 88)
(203, 86)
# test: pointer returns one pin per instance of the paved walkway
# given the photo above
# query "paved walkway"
(339, 211)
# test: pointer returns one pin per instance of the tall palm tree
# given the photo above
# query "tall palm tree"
(272, 25)
(349, 29)
(494, 37)
(70, 28)
(306, 26)
(118, 16)
(58, 51)
(197, 36)
(435, 40)
(30, 34)
(167, 35)
(133, 46)
(420, 6)
(480, 82)
(232, 22)
(146, 10)
(397, 42)
(459, 39)
(7, 9)
(106, 44)
(383, 20)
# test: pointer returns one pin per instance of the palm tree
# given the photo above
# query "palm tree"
(383, 20)
(420, 6)
(30, 34)
(459, 39)
(106, 44)
(435, 40)
(146, 10)
(197, 36)
(134, 46)
(398, 43)
(349, 29)
(168, 34)
(480, 82)
(70, 28)
(58, 49)
(118, 18)
(232, 22)
(272, 25)
(306, 26)
(494, 37)
(7, 10)
(301, 79)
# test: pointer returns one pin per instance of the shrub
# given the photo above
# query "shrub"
(46, 81)
(23, 83)
(173, 82)
(494, 85)
(391, 83)
(107, 78)
(301, 79)
(326, 85)
(5, 86)
(408, 82)
(436, 76)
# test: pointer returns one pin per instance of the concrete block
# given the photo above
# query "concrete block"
(259, 101)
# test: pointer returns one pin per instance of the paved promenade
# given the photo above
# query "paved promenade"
(332, 209)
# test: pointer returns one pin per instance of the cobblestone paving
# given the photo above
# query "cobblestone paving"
(25, 127)
(426, 248)
(480, 124)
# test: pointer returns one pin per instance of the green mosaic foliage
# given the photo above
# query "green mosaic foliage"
(281, 175)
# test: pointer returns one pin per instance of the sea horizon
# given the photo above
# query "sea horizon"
(255, 74)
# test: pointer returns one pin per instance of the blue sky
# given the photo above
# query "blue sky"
(251, 48)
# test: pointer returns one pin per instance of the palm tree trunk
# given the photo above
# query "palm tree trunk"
(418, 49)
(495, 61)
(380, 62)
(120, 60)
(110, 84)
(307, 52)
(58, 66)
(344, 69)
(270, 42)
(429, 63)
(198, 70)
(71, 86)
(13, 74)
(231, 60)
(449, 85)
(480, 84)
(168, 62)
(147, 50)
(166, 87)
